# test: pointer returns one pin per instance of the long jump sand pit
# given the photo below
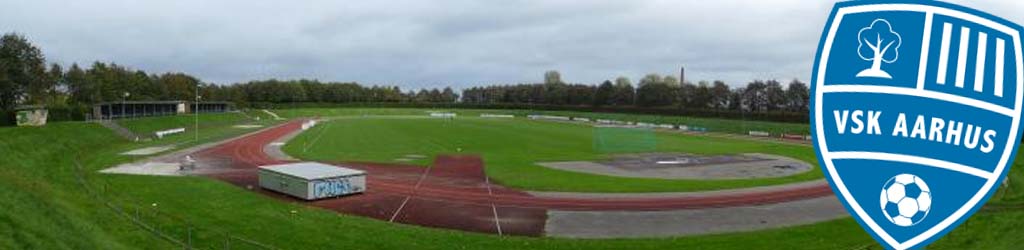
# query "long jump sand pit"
(688, 166)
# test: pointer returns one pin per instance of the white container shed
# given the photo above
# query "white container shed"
(312, 180)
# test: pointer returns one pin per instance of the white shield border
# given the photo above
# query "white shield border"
(820, 140)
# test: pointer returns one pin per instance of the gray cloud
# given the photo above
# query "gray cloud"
(418, 44)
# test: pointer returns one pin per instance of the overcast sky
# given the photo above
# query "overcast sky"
(417, 43)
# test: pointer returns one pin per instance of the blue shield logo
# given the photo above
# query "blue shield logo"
(916, 111)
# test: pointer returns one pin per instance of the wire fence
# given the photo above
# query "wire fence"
(173, 229)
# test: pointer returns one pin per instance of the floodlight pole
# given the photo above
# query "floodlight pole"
(196, 111)
(123, 100)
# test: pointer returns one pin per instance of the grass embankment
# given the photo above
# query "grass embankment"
(44, 205)
(212, 127)
(45, 208)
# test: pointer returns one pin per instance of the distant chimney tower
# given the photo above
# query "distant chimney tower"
(682, 75)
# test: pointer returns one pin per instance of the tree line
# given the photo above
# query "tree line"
(299, 91)
(653, 91)
(27, 79)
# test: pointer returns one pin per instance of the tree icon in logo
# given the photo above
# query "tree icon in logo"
(878, 44)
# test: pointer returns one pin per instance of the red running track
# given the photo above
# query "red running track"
(455, 193)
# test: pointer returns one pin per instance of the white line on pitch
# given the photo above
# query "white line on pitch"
(318, 135)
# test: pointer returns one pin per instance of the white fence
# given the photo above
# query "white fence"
(497, 116)
(759, 134)
(796, 137)
(693, 129)
(606, 121)
(308, 124)
(647, 125)
(549, 117)
(443, 115)
(162, 133)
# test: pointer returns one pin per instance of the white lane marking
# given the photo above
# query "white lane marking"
(414, 189)
(395, 215)
(497, 223)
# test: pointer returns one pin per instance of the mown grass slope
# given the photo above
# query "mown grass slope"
(43, 206)
(153, 124)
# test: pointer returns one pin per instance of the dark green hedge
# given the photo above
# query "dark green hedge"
(790, 117)
(67, 113)
(7, 118)
(79, 113)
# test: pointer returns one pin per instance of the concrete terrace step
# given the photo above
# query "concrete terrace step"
(119, 130)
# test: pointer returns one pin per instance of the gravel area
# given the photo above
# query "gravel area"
(646, 224)
(687, 166)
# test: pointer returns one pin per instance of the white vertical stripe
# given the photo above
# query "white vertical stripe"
(947, 34)
(979, 74)
(1000, 60)
(961, 62)
(925, 50)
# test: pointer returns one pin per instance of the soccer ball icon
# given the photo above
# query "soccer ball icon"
(906, 200)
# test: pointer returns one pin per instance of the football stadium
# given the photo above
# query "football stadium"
(106, 156)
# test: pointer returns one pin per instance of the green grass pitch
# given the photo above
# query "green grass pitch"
(512, 147)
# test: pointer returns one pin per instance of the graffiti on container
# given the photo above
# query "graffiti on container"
(333, 187)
